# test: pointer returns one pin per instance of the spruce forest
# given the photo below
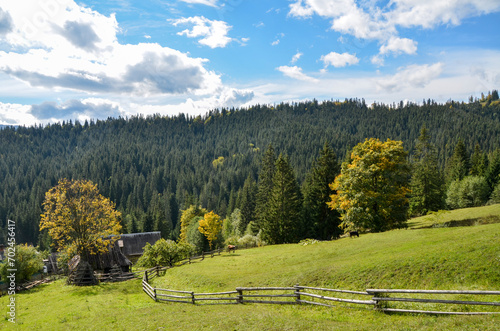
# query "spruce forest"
(155, 167)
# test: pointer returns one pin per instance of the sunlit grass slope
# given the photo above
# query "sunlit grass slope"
(441, 258)
(433, 258)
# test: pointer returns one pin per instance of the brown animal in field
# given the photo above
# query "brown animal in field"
(353, 234)
(231, 248)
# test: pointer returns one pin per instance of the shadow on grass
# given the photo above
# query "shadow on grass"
(458, 223)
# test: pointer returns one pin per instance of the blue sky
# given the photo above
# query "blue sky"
(61, 59)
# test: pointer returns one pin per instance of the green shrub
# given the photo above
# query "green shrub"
(251, 241)
(26, 261)
(164, 253)
(472, 191)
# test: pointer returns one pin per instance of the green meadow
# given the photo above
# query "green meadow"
(427, 257)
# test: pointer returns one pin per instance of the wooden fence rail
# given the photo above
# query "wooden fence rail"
(380, 296)
(296, 295)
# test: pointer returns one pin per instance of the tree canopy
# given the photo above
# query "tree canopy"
(79, 219)
(372, 188)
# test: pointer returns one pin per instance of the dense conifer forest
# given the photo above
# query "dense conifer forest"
(154, 167)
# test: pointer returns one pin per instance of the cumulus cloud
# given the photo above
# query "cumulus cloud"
(6, 24)
(81, 35)
(398, 46)
(296, 73)
(213, 33)
(367, 20)
(429, 13)
(339, 60)
(74, 109)
(73, 47)
(416, 76)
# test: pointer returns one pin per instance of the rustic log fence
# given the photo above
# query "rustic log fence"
(380, 296)
(314, 296)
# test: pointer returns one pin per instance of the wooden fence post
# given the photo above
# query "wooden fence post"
(146, 276)
(297, 293)
(192, 298)
(240, 295)
(202, 255)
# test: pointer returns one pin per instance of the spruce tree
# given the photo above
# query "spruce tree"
(427, 185)
(479, 162)
(247, 203)
(320, 221)
(265, 184)
(148, 222)
(282, 221)
(458, 165)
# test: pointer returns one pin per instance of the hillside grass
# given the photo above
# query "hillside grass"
(456, 258)
(458, 217)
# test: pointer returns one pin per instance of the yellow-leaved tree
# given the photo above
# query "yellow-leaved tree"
(79, 219)
(210, 226)
(371, 191)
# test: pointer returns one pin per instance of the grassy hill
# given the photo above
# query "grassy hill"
(429, 258)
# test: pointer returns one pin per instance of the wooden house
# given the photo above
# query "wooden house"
(132, 244)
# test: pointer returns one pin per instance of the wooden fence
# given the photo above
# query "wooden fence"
(380, 296)
(315, 296)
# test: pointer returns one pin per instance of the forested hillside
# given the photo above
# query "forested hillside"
(156, 166)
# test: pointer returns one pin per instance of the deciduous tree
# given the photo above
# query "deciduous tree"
(79, 219)
(210, 226)
(372, 188)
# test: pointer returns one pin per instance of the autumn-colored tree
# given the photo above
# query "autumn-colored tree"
(372, 188)
(187, 216)
(79, 219)
(210, 226)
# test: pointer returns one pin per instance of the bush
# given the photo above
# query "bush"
(472, 191)
(27, 261)
(251, 241)
(163, 253)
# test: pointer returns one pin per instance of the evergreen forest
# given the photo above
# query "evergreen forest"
(155, 167)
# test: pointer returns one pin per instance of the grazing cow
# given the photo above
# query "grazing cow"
(353, 234)
(231, 248)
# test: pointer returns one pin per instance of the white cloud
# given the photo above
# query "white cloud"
(368, 20)
(211, 3)
(429, 13)
(61, 45)
(296, 73)
(398, 46)
(339, 60)
(415, 76)
(296, 57)
(213, 33)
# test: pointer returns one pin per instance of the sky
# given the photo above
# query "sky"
(66, 60)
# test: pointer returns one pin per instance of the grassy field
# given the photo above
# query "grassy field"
(458, 217)
(458, 258)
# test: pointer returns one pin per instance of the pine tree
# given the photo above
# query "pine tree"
(479, 162)
(148, 223)
(493, 172)
(282, 221)
(427, 185)
(247, 203)
(320, 221)
(458, 165)
(265, 185)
